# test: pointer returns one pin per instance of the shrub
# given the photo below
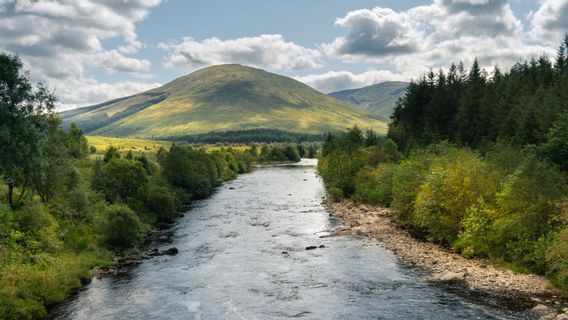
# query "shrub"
(78, 201)
(335, 193)
(456, 181)
(406, 182)
(375, 186)
(528, 208)
(33, 217)
(120, 178)
(557, 259)
(161, 201)
(122, 226)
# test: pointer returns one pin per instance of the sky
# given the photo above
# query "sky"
(91, 51)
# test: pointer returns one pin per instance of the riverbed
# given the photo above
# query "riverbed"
(242, 255)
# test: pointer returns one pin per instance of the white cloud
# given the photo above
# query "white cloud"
(114, 61)
(82, 92)
(269, 51)
(60, 39)
(550, 21)
(376, 32)
(341, 80)
(431, 36)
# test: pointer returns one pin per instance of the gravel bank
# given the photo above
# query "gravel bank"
(442, 264)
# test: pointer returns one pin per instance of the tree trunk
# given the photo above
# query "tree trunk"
(11, 194)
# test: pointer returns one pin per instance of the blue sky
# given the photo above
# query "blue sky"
(91, 51)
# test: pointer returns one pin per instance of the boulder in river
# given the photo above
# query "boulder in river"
(171, 251)
(540, 308)
(311, 247)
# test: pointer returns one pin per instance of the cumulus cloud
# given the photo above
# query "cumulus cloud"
(89, 91)
(59, 39)
(376, 32)
(381, 32)
(114, 61)
(269, 51)
(341, 80)
(428, 37)
(550, 21)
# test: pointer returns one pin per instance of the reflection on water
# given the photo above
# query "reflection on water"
(242, 256)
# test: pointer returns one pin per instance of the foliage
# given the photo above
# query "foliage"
(161, 201)
(518, 107)
(26, 115)
(557, 259)
(250, 136)
(374, 186)
(556, 146)
(111, 153)
(505, 204)
(120, 179)
(122, 226)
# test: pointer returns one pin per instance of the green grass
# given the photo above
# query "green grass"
(222, 98)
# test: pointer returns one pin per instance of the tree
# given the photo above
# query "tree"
(25, 112)
(556, 148)
(120, 179)
(77, 143)
(111, 153)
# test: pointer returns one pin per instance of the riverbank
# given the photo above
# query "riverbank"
(442, 264)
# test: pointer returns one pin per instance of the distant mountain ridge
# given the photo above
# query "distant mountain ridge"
(378, 99)
(221, 98)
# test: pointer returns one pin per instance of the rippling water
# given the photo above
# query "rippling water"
(242, 256)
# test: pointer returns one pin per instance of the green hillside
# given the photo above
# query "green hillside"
(378, 99)
(221, 98)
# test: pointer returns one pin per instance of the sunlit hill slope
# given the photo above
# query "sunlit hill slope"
(221, 98)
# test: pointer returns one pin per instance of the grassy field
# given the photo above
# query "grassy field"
(140, 146)
(137, 146)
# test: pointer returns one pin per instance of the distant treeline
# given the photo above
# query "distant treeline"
(472, 108)
(250, 136)
(472, 162)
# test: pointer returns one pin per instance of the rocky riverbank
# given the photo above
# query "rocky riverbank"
(443, 265)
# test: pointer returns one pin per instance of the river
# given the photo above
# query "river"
(242, 256)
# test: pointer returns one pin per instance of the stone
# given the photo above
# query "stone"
(171, 251)
(321, 246)
(311, 247)
(540, 307)
(447, 277)
(562, 316)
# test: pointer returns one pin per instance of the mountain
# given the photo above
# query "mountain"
(378, 99)
(221, 98)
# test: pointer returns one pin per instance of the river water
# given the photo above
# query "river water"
(242, 256)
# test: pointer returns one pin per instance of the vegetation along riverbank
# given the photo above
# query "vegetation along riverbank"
(474, 163)
(69, 204)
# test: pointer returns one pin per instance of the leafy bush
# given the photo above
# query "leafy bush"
(78, 201)
(557, 259)
(33, 218)
(120, 179)
(122, 226)
(456, 180)
(527, 209)
(335, 193)
(161, 201)
(375, 186)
